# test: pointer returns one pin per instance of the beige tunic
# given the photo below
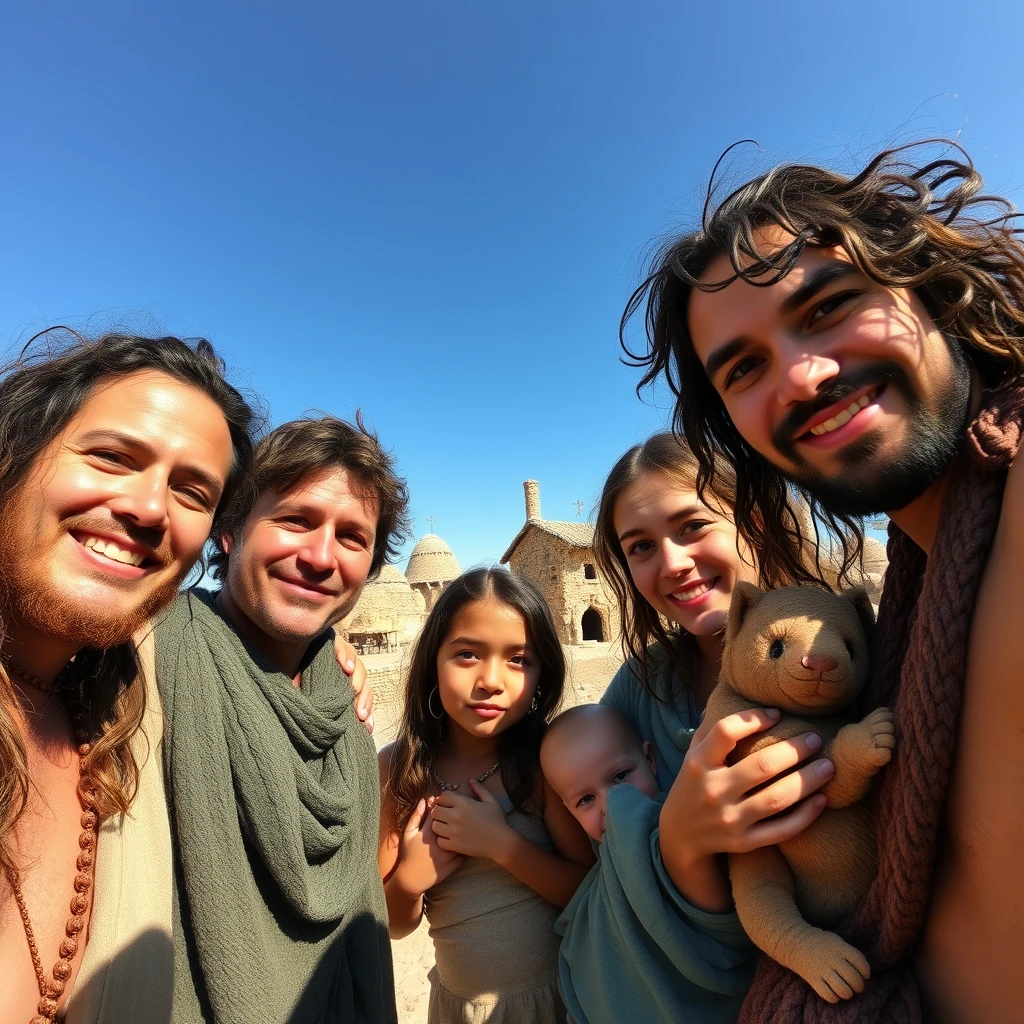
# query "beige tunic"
(495, 946)
(126, 974)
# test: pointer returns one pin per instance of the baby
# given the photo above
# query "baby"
(585, 752)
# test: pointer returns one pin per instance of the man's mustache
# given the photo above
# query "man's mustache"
(873, 375)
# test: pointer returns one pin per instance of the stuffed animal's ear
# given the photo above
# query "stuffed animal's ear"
(744, 597)
(858, 597)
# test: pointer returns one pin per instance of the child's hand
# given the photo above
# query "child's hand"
(472, 827)
(422, 862)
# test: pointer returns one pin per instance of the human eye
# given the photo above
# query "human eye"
(740, 369)
(585, 801)
(196, 497)
(466, 655)
(520, 661)
(829, 305)
(638, 548)
(695, 525)
(293, 521)
(621, 775)
(110, 457)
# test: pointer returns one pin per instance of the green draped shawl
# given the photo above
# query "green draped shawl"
(279, 912)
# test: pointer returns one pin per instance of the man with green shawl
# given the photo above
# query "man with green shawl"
(279, 913)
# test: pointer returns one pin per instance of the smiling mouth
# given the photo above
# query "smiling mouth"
(841, 418)
(694, 591)
(109, 549)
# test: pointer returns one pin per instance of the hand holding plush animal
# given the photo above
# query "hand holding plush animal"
(805, 651)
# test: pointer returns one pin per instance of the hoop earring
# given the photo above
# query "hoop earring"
(533, 703)
(430, 707)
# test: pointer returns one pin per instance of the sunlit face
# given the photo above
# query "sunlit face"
(682, 555)
(845, 385)
(302, 557)
(582, 768)
(116, 510)
(487, 670)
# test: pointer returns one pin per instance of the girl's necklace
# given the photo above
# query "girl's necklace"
(452, 786)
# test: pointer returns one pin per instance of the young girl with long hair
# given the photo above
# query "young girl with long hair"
(470, 834)
(673, 557)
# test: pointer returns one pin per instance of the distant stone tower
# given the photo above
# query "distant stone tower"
(432, 566)
(389, 613)
(557, 558)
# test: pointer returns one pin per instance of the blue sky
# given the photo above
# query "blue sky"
(436, 212)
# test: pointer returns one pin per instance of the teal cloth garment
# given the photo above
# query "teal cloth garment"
(668, 726)
(633, 950)
(279, 912)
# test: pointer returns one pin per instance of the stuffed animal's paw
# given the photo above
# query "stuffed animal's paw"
(834, 969)
(880, 737)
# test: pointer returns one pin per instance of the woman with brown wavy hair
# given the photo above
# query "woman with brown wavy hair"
(673, 558)
(116, 457)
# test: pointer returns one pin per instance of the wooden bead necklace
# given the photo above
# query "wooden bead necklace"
(51, 991)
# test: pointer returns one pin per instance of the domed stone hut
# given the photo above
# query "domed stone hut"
(389, 613)
(432, 566)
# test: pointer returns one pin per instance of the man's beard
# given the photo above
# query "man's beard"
(29, 595)
(869, 483)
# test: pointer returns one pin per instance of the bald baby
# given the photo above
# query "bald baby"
(585, 752)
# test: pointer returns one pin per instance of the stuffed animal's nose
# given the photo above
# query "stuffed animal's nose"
(819, 662)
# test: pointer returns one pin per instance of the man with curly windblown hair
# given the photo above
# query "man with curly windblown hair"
(861, 339)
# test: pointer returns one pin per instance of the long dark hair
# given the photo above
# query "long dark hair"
(40, 393)
(925, 228)
(421, 735)
(640, 625)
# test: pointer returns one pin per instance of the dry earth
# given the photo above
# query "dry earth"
(591, 667)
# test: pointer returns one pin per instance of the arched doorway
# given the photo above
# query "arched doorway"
(591, 625)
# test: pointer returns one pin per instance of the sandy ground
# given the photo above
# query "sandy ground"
(591, 667)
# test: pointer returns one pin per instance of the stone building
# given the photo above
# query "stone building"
(389, 613)
(557, 558)
(432, 566)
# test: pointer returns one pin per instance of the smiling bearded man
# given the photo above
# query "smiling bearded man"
(863, 339)
(116, 456)
(279, 911)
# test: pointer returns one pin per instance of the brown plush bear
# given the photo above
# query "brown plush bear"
(805, 651)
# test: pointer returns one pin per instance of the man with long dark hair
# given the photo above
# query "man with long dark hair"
(279, 909)
(861, 340)
(117, 456)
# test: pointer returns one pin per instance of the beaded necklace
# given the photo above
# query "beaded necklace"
(51, 990)
(452, 786)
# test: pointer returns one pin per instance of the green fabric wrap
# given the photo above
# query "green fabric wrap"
(279, 912)
(633, 950)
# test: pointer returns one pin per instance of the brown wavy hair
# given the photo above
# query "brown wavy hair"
(926, 228)
(421, 735)
(640, 625)
(40, 393)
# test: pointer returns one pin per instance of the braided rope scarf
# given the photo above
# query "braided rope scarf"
(919, 668)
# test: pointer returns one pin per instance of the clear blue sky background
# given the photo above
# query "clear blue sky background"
(435, 212)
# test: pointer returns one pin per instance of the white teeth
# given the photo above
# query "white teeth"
(110, 550)
(842, 417)
(689, 595)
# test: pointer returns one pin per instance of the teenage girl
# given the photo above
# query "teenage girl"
(470, 835)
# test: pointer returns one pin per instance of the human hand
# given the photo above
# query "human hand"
(422, 862)
(352, 665)
(473, 827)
(711, 807)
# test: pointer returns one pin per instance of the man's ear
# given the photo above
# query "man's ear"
(858, 597)
(226, 542)
(744, 597)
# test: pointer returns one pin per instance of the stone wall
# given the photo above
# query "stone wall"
(558, 571)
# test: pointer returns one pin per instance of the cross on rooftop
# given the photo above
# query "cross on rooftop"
(430, 519)
(579, 508)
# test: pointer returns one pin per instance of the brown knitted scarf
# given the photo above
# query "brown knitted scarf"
(919, 668)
